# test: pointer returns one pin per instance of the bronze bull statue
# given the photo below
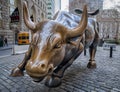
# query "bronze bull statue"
(54, 47)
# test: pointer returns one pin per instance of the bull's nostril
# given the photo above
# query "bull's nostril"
(42, 65)
(50, 70)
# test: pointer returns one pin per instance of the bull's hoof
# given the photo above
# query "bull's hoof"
(53, 81)
(16, 72)
(91, 65)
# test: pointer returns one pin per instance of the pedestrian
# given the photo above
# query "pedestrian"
(5, 41)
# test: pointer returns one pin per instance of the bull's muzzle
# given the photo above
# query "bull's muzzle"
(38, 70)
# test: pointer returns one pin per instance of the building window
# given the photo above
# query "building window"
(0, 23)
(41, 3)
(38, 2)
(0, 12)
(43, 6)
(49, 17)
(49, 13)
(49, 8)
(49, 3)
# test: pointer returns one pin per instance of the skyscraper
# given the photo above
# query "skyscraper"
(50, 8)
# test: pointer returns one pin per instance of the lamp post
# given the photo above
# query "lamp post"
(13, 27)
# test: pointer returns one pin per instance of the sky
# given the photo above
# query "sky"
(108, 4)
(64, 5)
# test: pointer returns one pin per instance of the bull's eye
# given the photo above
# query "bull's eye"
(58, 45)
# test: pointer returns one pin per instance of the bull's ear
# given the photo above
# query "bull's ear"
(78, 11)
(31, 25)
(56, 14)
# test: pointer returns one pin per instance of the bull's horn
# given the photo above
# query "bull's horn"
(31, 25)
(81, 27)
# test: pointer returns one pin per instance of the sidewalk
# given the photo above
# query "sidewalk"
(6, 47)
(18, 49)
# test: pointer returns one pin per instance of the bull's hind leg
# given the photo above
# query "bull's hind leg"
(18, 71)
(55, 79)
(92, 52)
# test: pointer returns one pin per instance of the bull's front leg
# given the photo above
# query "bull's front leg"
(18, 71)
(55, 79)
(92, 51)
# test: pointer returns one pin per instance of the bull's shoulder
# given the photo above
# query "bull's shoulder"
(91, 21)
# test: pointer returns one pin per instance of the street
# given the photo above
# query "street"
(77, 78)
(6, 52)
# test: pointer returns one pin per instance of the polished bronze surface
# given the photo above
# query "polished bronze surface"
(56, 44)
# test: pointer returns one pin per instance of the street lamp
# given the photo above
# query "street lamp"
(13, 27)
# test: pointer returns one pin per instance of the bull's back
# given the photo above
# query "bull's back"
(71, 21)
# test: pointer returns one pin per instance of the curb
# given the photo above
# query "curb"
(5, 48)
(5, 56)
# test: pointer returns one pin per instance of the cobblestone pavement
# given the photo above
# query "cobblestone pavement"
(77, 78)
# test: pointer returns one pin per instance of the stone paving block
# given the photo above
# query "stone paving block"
(5, 90)
(59, 90)
(13, 90)
(99, 90)
(8, 81)
(68, 88)
(22, 90)
(17, 86)
(77, 90)
(91, 87)
(115, 89)
(12, 83)
(86, 89)
(93, 91)
(9, 86)
(30, 89)
(1, 86)
(77, 78)
(3, 77)
(104, 88)
(77, 86)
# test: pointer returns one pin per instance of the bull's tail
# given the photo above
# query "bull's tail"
(96, 28)
(78, 11)
(97, 25)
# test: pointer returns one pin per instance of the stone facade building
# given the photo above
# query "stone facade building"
(109, 20)
(11, 16)
(37, 10)
(4, 20)
(91, 4)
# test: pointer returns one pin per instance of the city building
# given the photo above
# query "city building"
(109, 24)
(11, 16)
(109, 19)
(91, 4)
(50, 8)
(4, 20)
(57, 5)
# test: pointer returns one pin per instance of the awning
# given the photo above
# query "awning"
(15, 16)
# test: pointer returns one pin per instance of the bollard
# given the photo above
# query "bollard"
(84, 52)
(111, 51)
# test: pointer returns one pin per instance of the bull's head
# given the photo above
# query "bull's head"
(48, 43)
